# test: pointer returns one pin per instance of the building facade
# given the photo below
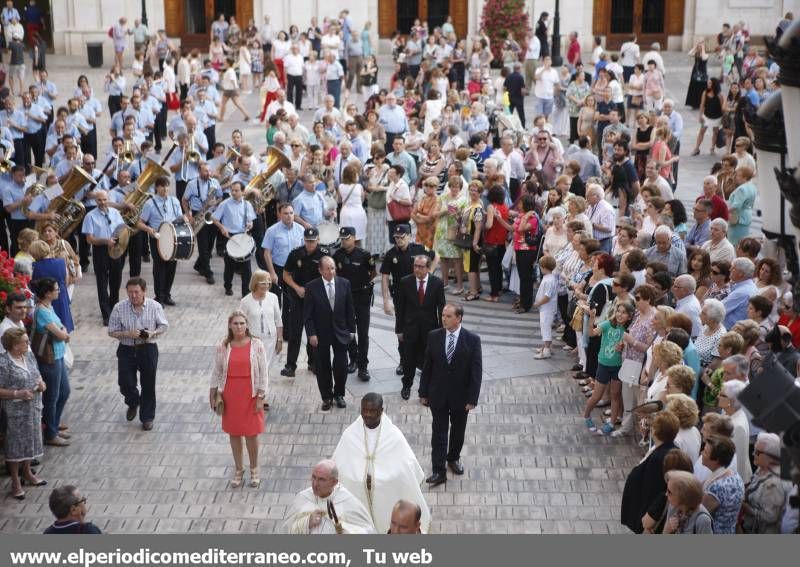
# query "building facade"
(676, 24)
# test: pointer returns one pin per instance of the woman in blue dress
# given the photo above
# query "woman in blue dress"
(740, 204)
(45, 265)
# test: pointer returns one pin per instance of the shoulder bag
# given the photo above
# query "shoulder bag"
(377, 199)
(630, 371)
(399, 212)
(42, 344)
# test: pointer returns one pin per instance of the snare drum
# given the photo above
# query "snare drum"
(328, 233)
(175, 241)
(240, 247)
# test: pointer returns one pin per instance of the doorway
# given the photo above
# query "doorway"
(190, 20)
(46, 32)
(399, 15)
(648, 20)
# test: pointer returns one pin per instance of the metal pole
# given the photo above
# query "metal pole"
(555, 52)
(144, 12)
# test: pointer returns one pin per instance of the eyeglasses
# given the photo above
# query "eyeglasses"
(716, 273)
(295, 145)
(81, 501)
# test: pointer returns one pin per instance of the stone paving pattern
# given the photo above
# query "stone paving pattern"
(531, 467)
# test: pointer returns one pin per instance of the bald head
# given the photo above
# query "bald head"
(405, 518)
(324, 477)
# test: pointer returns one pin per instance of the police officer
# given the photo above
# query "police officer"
(357, 266)
(162, 207)
(301, 267)
(399, 262)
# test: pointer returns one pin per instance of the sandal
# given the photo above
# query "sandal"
(458, 291)
(18, 496)
(238, 478)
(255, 480)
(491, 299)
(471, 297)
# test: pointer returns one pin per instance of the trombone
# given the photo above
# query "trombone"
(128, 152)
(191, 155)
(6, 164)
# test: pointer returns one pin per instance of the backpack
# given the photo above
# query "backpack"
(534, 239)
(111, 32)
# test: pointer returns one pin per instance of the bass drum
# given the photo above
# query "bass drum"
(175, 241)
(328, 235)
(240, 247)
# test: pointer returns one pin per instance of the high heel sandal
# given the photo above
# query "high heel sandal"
(238, 478)
(255, 481)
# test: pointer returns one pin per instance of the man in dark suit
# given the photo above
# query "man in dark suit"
(330, 324)
(450, 386)
(418, 310)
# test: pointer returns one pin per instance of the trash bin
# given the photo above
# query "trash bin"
(94, 50)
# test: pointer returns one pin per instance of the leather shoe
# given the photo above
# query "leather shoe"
(289, 372)
(340, 403)
(210, 279)
(456, 467)
(577, 367)
(436, 479)
(169, 301)
(147, 425)
(364, 375)
(399, 370)
(326, 405)
(405, 393)
(228, 292)
(351, 368)
(57, 442)
(130, 415)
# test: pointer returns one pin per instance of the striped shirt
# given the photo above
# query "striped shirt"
(125, 318)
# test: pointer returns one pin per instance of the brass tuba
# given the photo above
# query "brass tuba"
(136, 199)
(69, 212)
(259, 191)
(37, 188)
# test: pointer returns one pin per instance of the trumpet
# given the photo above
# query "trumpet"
(6, 164)
(226, 170)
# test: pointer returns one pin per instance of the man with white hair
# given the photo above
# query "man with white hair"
(767, 493)
(655, 55)
(718, 246)
(675, 121)
(328, 108)
(280, 103)
(663, 251)
(742, 289)
(511, 165)
(728, 401)
(393, 119)
(686, 302)
(345, 158)
(327, 507)
(602, 216)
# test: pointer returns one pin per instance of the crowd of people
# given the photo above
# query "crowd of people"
(575, 216)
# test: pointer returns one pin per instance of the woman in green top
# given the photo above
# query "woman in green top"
(577, 91)
(451, 204)
(740, 204)
(609, 358)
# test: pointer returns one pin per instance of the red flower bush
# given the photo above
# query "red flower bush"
(501, 18)
(10, 282)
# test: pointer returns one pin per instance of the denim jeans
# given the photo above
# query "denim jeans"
(56, 378)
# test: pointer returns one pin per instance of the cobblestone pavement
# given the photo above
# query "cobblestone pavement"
(531, 466)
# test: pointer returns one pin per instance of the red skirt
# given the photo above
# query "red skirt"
(281, 73)
(271, 95)
(244, 414)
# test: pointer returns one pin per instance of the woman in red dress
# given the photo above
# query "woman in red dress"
(240, 374)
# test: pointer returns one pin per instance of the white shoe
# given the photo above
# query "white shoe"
(620, 433)
(544, 353)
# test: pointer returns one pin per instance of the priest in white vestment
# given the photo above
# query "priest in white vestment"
(376, 464)
(327, 507)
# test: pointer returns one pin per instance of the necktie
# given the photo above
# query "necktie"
(421, 291)
(331, 297)
(451, 347)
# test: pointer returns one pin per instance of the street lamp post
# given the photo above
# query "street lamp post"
(144, 12)
(555, 52)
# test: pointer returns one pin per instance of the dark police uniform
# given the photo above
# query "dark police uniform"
(400, 263)
(303, 267)
(359, 268)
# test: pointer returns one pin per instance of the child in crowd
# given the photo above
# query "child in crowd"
(546, 302)
(25, 238)
(609, 358)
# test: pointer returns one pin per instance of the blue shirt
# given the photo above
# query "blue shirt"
(17, 117)
(188, 171)
(208, 108)
(691, 358)
(234, 216)
(408, 163)
(280, 240)
(78, 120)
(699, 233)
(736, 301)
(310, 206)
(48, 89)
(34, 111)
(197, 192)
(100, 224)
(116, 87)
(45, 316)
(12, 193)
(393, 120)
(160, 209)
(675, 124)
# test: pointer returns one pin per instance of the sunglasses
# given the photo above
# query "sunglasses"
(716, 273)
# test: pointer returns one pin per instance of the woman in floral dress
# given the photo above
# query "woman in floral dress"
(451, 203)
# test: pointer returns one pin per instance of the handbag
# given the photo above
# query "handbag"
(630, 371)
(377, 199)
(219, 404)
(173, 102)
(399, 212)
(42, 344)
(577, 321)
